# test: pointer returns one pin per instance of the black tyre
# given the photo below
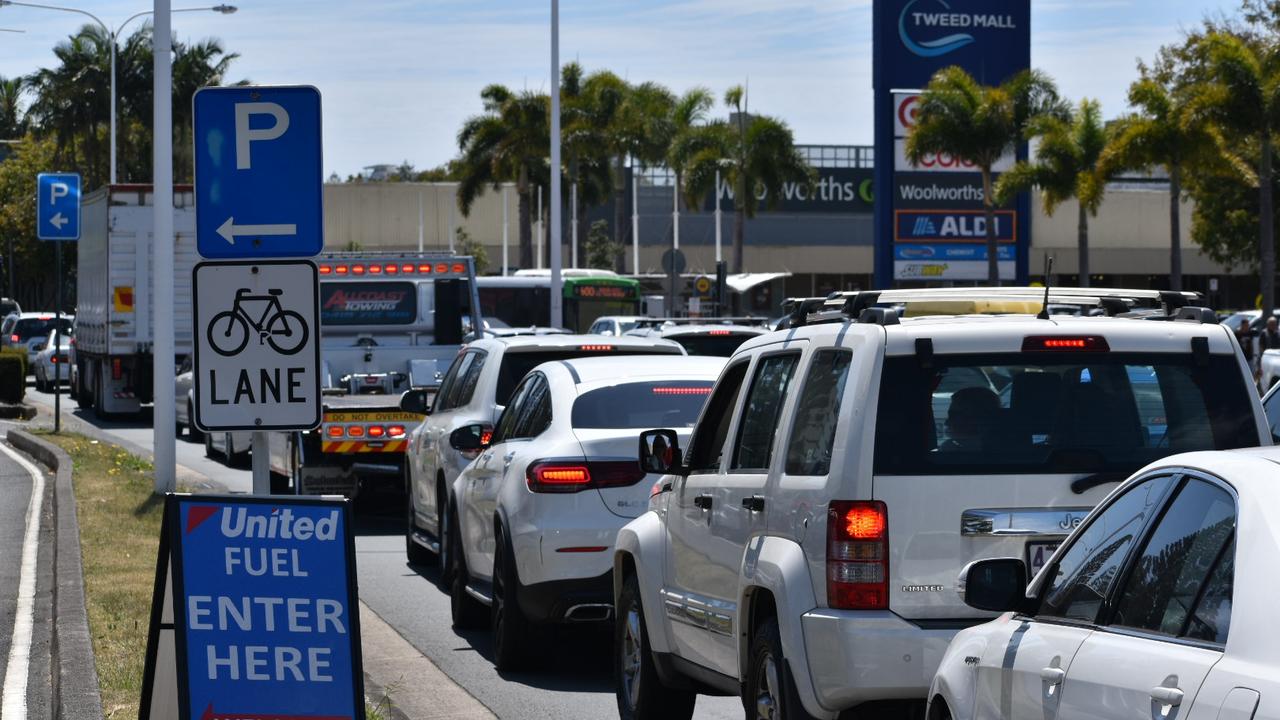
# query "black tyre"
(415, 553)
(509, 624)
(641, 694)
(193, 433)
(468, 613)
(770, 691)
(209, 452)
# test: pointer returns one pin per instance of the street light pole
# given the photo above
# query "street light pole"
(557, 288)
(113, 36)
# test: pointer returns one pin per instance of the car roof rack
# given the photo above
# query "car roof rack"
(746, 320)
(1111, 302)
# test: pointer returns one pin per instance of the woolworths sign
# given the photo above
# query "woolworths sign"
(837, 191)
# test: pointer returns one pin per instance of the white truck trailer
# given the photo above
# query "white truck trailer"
(114, 311)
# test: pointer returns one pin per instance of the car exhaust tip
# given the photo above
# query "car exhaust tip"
(589, 612)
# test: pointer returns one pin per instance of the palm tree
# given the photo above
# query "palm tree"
(979, 124)
(687, 116)
(751, 153)
(73, 103)
(12, 123)
(509, 141)
(1065, 167)
(1238, 94)
(1162, 132)
(585, 158)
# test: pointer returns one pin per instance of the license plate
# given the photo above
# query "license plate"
(1038, 554)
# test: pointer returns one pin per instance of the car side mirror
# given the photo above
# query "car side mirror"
(470, 438)
(416, 401)
(660, 452)
(999, 585)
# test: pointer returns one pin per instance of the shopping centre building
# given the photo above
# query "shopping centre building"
(818, 239)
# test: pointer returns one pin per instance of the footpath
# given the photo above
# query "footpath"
(400, 682)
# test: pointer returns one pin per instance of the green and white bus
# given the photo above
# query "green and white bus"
(524, 299)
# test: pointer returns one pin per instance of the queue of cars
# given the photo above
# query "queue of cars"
(801, 543)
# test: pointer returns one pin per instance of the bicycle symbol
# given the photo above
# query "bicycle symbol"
(229, 330)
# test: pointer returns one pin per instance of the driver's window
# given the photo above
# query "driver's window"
(709, 437)
(1082, 578)
(450, 380)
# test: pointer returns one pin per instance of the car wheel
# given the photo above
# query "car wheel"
(510, 626)
(770, 692)
(415, 553)
(209, 452)
(467, 612)
(447, 551)
(641, 694)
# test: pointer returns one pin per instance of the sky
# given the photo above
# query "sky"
(398, 77)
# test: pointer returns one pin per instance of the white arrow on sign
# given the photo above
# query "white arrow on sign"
(58, 221)
(229, 230)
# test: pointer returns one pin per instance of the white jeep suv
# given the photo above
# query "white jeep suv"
(475, 389)
(803, 552)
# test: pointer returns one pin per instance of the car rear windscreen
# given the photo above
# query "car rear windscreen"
(516, 363)
(708, 345)
(38, 327)
(642, 405)
(1056, 412)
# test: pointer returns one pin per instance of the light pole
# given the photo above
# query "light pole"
(557, 291)
(113, 35)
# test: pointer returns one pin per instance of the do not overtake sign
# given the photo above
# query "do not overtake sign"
(257, 353)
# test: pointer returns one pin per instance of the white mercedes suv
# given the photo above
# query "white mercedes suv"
(477, 386)
(538, 510)
(803, 551)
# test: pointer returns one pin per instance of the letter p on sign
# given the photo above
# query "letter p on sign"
(246, 135)
(57, 190)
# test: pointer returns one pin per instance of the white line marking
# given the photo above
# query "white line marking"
(13, 701)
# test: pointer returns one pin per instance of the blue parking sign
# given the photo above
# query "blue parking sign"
(258, 172)
(264, 614)
(58, 206)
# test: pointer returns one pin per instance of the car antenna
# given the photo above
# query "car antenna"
(1048, 270)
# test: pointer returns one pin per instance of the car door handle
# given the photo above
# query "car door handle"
(754, 503)
(1053, 675)
(702, 501)
(1170, 696)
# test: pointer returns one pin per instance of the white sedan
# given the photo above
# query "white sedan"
(52, 364)
(539, 509)
(1157, 606)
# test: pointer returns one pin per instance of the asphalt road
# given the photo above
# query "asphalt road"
(573, 679)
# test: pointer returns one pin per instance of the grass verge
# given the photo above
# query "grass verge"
(119, 519)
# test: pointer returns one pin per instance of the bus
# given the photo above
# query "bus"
(524, 299)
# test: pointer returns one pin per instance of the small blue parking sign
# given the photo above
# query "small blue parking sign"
(58, 206)
(264, 621)
(258, 172)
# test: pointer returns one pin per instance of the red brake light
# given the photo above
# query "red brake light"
(706, 390)
(45, 317)
(396, 431)
(718, 332)
(596, 348)
(550, 476)
(486, 437)
(326, 269)
(14, 338)
(334, 431)
(1044, 343)
(858, 555)
(117, 369)
(355, 430)
(377, 431)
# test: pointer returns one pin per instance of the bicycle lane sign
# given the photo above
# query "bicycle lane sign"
(257, 350)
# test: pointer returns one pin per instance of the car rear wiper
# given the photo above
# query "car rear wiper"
(1080, 485)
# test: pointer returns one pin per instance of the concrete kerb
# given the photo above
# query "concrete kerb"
(75, 683)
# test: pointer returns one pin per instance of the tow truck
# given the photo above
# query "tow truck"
(391, 324)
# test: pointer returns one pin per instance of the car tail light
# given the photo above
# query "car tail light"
(355, 431)
(377, 431)
(1086, 343)
(486, 436)
(395, 431)
(718, 332)
(117, 369)
(14, 338)
(53, 359)
(858, 555)
(663, 390)
(595, 348)
(553, 476)
(334, 431)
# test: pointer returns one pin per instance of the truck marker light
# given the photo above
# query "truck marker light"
(406, 268)
(357, 269)
(424, 268)
(392, 268)
(375, 269)
(396, 431)
(355, 431)
(442, 267)
(326, 269)
(334, 431)
(459, 268)
(377, 431)
(340, 270)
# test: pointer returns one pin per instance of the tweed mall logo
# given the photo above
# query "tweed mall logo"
(930, 28)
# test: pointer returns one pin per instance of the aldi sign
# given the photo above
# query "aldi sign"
(953, 225)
